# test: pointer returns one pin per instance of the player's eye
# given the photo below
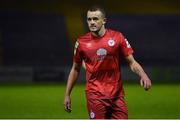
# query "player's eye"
(95, 19)
(89, 19)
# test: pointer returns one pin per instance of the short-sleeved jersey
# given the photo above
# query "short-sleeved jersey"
(102, 56)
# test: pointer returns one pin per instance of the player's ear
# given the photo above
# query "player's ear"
(104, 21)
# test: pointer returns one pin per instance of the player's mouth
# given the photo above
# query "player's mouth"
(92, 27)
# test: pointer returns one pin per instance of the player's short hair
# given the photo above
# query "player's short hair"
(98, 8)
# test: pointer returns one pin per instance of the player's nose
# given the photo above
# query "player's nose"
(92, 22)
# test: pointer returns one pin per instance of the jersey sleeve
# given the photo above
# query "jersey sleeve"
(77, 53)
(125, 47)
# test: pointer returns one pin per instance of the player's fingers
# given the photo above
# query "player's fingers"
(67, 107)
(67, 104)
(148, 85)
(141, 82)
(145, 84)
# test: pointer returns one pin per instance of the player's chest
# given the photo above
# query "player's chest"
(104, 46)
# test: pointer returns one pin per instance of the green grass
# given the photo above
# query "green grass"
(46, 101)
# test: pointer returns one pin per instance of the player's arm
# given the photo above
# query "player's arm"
(136, 68)
(73, 75)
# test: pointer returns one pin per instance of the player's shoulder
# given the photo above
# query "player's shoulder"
(84, 37)
(115, 32)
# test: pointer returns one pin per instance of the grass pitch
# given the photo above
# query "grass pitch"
(46, 101)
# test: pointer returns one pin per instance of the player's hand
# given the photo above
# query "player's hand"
(67, 104)
(145, 82)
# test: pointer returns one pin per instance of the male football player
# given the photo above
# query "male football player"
(101, 50)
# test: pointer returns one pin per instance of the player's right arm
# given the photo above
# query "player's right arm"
(73, 75)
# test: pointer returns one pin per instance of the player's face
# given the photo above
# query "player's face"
(95, 20)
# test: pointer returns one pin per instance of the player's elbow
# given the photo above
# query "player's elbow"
(76, 67)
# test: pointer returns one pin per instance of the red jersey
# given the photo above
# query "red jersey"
(102, 56)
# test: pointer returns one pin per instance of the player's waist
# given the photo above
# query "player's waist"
(104, 70)
(98, 95)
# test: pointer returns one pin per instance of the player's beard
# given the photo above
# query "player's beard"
(99, 32)
(95, 29)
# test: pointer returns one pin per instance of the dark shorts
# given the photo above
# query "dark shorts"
(114, 108)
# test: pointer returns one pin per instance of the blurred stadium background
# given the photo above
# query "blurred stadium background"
(36, 47)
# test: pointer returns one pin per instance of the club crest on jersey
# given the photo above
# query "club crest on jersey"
(101, 52)
(111, 42)
(92, 114)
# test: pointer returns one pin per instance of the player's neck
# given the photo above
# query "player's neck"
(99, 33)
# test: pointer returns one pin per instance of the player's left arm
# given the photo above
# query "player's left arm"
(136, 68)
